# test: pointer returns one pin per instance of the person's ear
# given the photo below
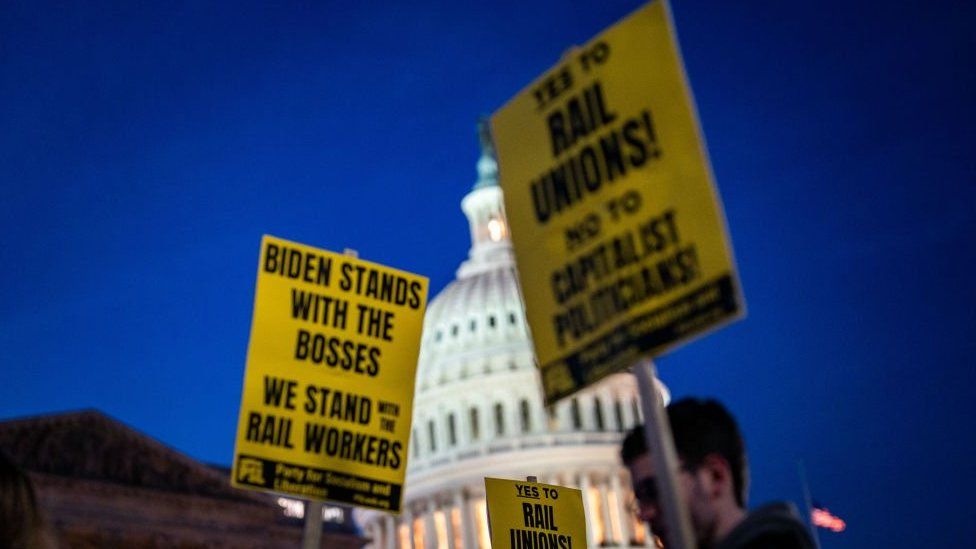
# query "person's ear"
(716, 474)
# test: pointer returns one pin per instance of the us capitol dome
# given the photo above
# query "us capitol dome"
(478, 408)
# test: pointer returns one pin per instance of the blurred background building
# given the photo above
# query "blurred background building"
(478, 409)
(100, 483)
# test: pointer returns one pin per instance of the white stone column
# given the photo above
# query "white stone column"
(448, 511)
(606, 410)
(481, 518)
(485, 424)
(587, 420)
(468, 534)
(464, 425)
(562, 416)
(625, 527)
(389, 533)
(627, 411)
(430, 526)
(514, 426)
(605, 511)
(379, 539)
(408, 519)
(584, 484)
(540, 419)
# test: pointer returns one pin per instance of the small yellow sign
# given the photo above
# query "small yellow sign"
(328, 387)
(620, 240)
(525, 515)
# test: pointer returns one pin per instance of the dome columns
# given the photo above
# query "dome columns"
(426, 523)
(454, 519)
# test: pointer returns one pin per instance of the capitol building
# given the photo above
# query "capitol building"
(478, 408)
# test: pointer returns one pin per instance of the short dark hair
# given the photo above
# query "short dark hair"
(700, 427)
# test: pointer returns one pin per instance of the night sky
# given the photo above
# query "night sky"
(146, 149)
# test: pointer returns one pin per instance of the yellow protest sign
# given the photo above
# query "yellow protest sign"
(619, 236)
(328, 387)
(527, 515)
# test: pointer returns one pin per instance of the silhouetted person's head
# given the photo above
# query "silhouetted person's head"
(713, 469)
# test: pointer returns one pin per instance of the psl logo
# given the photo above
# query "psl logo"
(250, 471)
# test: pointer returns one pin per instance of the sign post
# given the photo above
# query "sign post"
(620, 240)
(312, 532)
(328, 388)
(660, 444)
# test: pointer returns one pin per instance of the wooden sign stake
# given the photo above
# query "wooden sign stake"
(660, 444)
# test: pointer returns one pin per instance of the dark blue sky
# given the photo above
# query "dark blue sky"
(146, 148)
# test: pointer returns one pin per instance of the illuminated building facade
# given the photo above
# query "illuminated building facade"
(478, 409)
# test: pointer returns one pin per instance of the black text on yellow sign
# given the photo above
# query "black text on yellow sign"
(530, 515)
(619, 235)
(328, 387)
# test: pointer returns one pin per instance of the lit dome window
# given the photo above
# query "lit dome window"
(496, 229)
